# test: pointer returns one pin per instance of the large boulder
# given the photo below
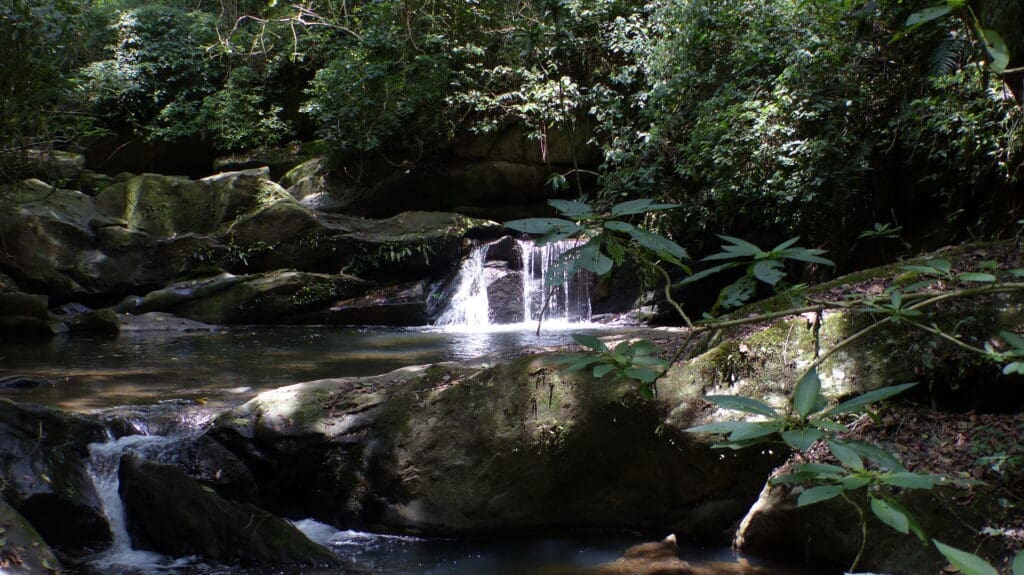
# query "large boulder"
(22, 550)
(274, 297)
(44, 459)
(170, 513)
(455, 449)
(24, 314)
(397, 305)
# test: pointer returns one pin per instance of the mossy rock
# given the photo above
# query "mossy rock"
(450, 448)
(22, 549)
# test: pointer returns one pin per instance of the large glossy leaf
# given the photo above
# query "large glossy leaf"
(1018, 563)
(639, 206)
(648, 240)
(741, 403)
(967, 563)
(643, 374)
(738, 246)
(824, 469)
(997, 50)
(890, 516)
(912, 523)
(710, 271)
(572, 209)
(542, 225)
(805, 396)
(928, 14)
(590, 341)
(865, 399)
(602, 370)
(717, 427)
(818, 494)
(851, 482)
(590, 258)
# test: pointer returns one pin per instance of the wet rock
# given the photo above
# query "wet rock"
(506, 250)
(210, 463)
(455, 449)
(399, 305)
(43, 456)
(22, 550)
(662, 558)
(101, 321)
(161, 322)
(170, 513)
(505, 298)
(274, 297)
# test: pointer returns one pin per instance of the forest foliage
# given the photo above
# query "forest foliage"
(819, 118)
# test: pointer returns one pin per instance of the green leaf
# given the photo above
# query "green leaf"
(738, 292)
(818, 494)
(912, 523)
(643, 374)
(976, 277)
(927, 15)
(750, 430)
(940, 264)
(996, 48)
(1012, 339)
(791, 478)
(739, 247)
(890, 515)
(591, 258)
(874, 454)
(801, 439)
(717, 427)
(543, 225)
(651, 241)
(602, 370)
(710, 271)
(745, 404)
(967, 563)
(1018, 563)
(846, 456)
(810, 256)
(805, 396)
(582, 363)
(911, 480)
(827, 425)
(824, 469)
(785, 244)
(639, 206)
(862, 401)
(769, 271)
(851, 482)
(590, 341)
(571, 209)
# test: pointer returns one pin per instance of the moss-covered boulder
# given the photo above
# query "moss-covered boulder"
(274, 297)
(24, 315)
(43, 460)
(22, 550)
(170, 513)
(449, 448)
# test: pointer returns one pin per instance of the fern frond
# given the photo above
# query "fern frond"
(948, 56)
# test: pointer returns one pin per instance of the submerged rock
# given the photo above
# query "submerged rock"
(170, 513)
(44, 459)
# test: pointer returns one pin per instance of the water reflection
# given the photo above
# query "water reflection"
(226, 368)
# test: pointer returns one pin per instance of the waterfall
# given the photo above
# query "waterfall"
(468, 304)
(104, 463)
(510, 282)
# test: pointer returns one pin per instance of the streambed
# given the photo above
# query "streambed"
(195, 376)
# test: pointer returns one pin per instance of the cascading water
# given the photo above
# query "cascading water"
(566, 301)
(486, 288)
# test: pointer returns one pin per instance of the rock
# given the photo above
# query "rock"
(505, 298)
(399, 305)
(210, 463)
(829, 532)
(256, 298)
(93, 183)
(163, 206)
(161, 322)
(103, 321)
(447, 449)
(24, 314)
(506, 250)
(22, 550)
(50, 165)
(314, 185)
(170, 513)
(43, 456)
(277, 160)
(244, 191)
(662, 558)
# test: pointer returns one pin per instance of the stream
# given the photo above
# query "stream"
(171, 386)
